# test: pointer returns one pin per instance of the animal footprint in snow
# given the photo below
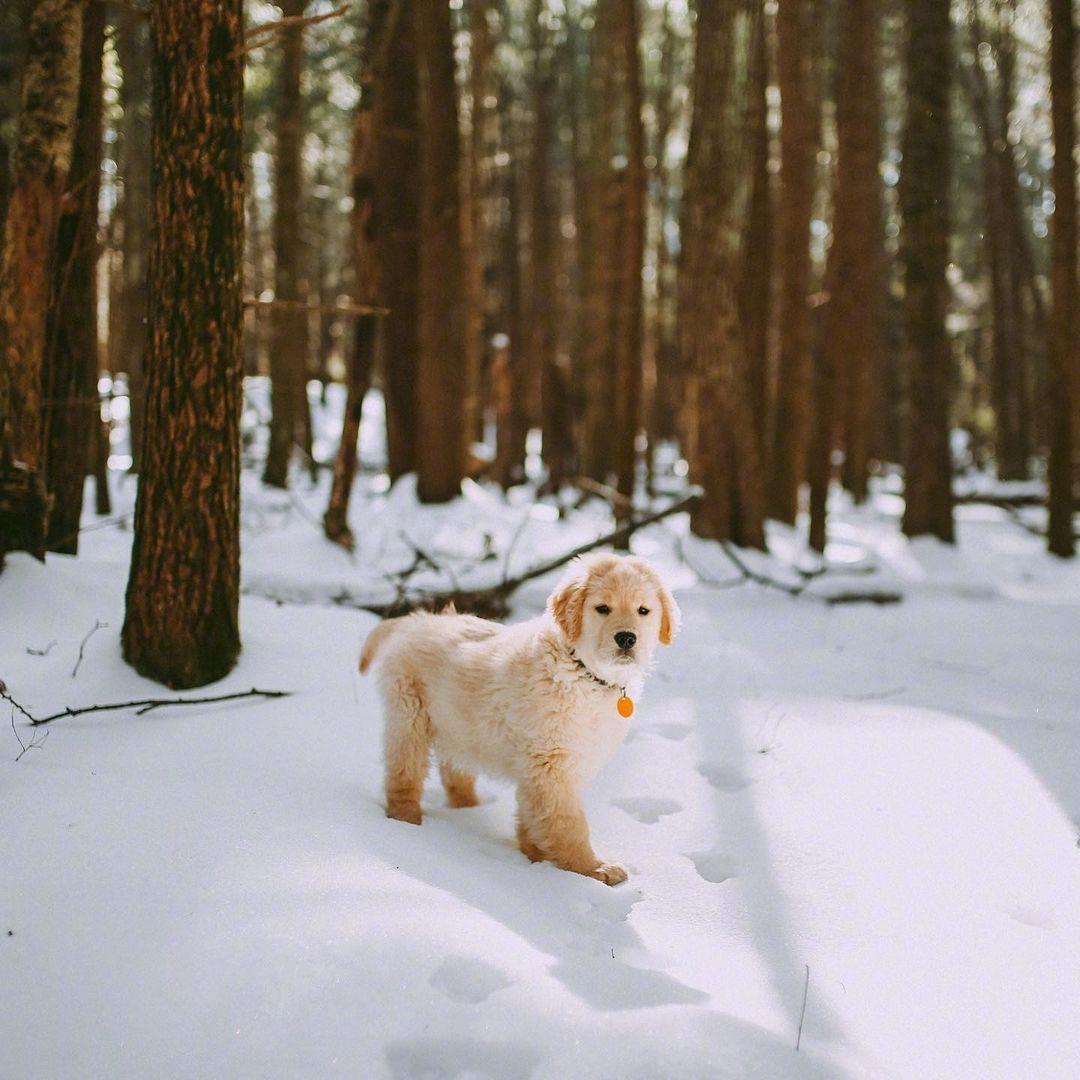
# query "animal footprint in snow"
(714, 866)
(463, 978)
(647, 811)
(723, 777)
(674, 732)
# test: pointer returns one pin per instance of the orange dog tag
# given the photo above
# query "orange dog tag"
(625, 706)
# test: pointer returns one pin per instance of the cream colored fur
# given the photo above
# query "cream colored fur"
(511, 701)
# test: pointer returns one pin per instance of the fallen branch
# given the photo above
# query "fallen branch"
(144, 705)
(492, 600)
(41, 652)
(35, 742)
(82, 644)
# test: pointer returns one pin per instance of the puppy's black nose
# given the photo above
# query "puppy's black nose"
(625, 639)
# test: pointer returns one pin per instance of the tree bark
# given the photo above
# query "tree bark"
(719, 179)
(71, 357)
(365, 260)
(795, 27)
(289, 325)
(127, 322)
(50, 84)
(1064, 328)
(631, 256)
(924, 249)
(440, 462)
(397, 209)
(180, 626)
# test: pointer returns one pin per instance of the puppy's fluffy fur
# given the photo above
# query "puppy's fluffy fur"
(526, 702)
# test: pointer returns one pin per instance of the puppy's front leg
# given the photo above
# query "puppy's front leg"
(552, 817)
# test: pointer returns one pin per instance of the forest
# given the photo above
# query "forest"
(314, 313)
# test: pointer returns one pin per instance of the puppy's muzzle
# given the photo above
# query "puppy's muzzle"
(626, 640)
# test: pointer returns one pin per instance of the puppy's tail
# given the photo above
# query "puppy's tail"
(374, 640)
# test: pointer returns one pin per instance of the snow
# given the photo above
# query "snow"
(879, 804)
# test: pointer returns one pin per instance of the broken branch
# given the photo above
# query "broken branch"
(144, 705)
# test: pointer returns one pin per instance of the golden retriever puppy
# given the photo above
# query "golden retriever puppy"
(544, 703)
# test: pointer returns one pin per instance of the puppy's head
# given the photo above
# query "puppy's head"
(614, 610)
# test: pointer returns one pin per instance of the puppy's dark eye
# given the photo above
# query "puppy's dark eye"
(603, 609)
(643, 611)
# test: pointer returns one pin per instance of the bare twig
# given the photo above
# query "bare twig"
(267, 32)
(802, 1015)
(144, 705)
(327, 309)
(41, 652)
(82, 644)
(35, 741)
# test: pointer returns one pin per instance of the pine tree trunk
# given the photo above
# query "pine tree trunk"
(365, 263)
(543, 351)
(14, 19)
(1064, 324)
(630, 253)
(440, 461)
(397, 209)
(181, 624)
(127, 329)
(71, 357)
(924, 249)
(795, 26)
(50, 84)
(725, 458)
(849, 346)
(289, 325)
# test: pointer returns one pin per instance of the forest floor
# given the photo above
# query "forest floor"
(859, 821)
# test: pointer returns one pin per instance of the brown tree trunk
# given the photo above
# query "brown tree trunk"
(542, 292)
(849, 346)
(14, 20)
(630, 253)
(440, 460)
(183, 593)
(365, 263)
(127, 321)
(924, 249)
(289, 325)
(757, 284)
(795, 26)
(50, 83)
(719, 180)
(397, 209)
(1064, 325)
(71, 356)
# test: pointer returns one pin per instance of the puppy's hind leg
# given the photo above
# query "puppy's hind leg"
(460, 786)
(408, 749)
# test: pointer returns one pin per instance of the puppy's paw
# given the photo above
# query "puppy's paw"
(609, 873)
(408, 812)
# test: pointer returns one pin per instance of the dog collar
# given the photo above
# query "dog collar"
(624, 704)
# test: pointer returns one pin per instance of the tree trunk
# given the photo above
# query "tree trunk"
(440, 462)
(181, 623)
(289, 325)
(365, 263)
(924, 249)
(14, 20)
(50, 83)
(397, 209)
(719, 179)
(71, 357)
(1064, 325)
(127, 321)
(795, 27)
(849, 346)
(630, 252)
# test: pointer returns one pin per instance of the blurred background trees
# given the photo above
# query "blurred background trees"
(782, 249)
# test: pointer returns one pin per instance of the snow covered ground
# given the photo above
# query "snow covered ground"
(876, 807)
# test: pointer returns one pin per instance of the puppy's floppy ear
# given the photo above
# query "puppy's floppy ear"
(670, 616)
(567, 604)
